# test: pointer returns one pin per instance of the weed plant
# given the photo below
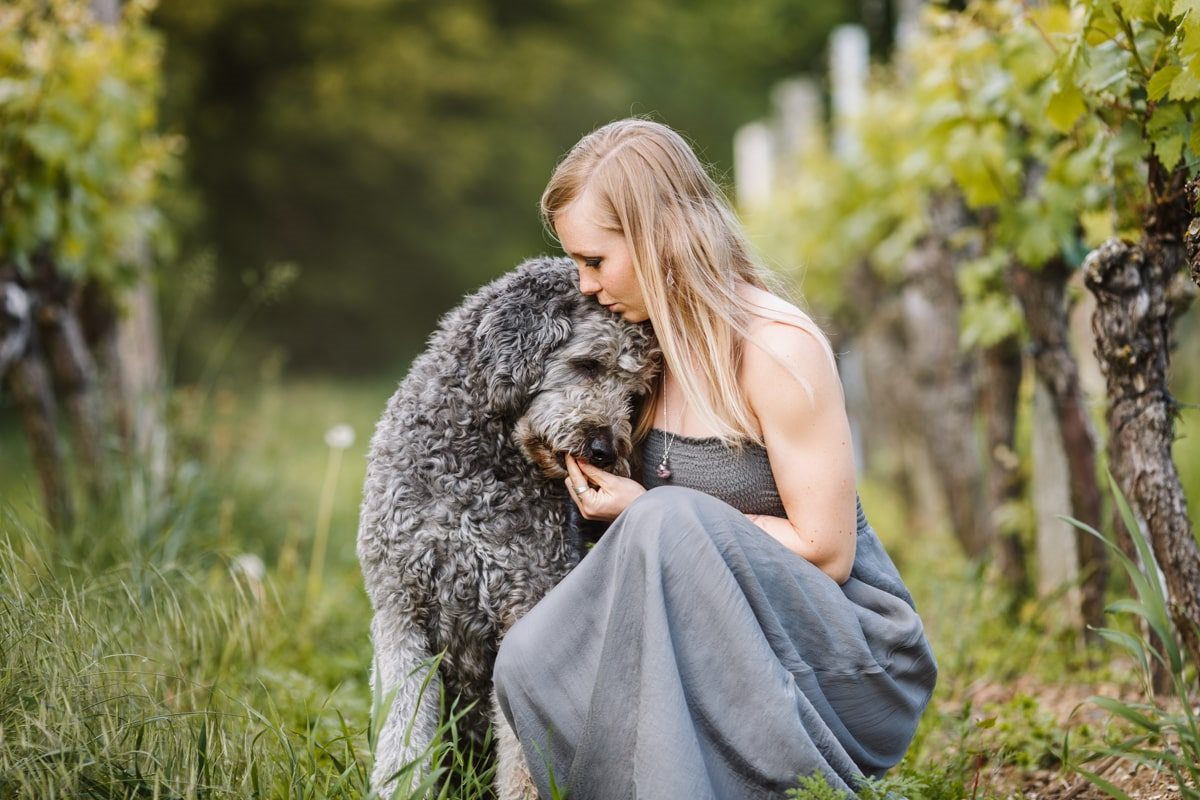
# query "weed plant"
(1166, 735)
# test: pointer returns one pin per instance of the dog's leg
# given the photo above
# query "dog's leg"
(513, 781)
(402, 674)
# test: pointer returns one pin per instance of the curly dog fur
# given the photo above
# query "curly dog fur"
(464, 517)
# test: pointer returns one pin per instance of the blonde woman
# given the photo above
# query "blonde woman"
(739, 624)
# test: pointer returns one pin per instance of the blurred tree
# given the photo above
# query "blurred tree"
(396, 151)
(80, 166)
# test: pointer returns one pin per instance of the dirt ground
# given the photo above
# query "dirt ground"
(1067, 705)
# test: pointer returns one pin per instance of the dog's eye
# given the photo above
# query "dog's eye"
(589, 367)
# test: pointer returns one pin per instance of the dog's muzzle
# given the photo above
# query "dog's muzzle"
(599, 450)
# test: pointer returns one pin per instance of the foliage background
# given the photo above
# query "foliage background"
(395, 152)
(351, 168)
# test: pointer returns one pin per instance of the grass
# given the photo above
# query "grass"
(171, 651)
(1166, 735)
(186, 647)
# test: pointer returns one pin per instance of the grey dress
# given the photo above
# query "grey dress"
(690, 655)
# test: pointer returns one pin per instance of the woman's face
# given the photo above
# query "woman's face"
(605, 266)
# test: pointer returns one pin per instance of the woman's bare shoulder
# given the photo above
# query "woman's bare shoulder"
(766, 306)
(782, 337)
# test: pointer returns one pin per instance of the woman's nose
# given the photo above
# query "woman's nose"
(588, 284)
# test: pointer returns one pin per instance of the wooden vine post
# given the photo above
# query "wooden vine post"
(1142, 286)
(1139, 288)
(76, 208)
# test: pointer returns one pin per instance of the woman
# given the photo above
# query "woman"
(739, 624)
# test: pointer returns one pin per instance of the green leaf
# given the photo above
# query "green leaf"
(11, 89)
(1186, 85)
(1161, 81)
(1053, 19)
(1128, 712)
(1108, 787)
(1168, 128)
(1153, 595)
(1141, 583)
(990, 320)
(49, 141)
(1189, 32)
(45, 215)
(1130, 644)
(1097, 226)
(1107, 67)
(1065, 107)
(1128, 605)
(1181, 7)
(1135, 531)
(1138, 9)
(1037, 241)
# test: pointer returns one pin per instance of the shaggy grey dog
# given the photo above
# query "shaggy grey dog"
(464, 517)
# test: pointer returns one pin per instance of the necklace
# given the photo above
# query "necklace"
(663, 470)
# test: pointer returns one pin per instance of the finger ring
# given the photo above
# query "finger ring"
(579, 490)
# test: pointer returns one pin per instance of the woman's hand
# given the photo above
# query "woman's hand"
(606, 495)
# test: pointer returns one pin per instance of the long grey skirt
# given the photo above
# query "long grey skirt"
(690, 655)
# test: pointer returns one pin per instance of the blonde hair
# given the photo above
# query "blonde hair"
(651, 187)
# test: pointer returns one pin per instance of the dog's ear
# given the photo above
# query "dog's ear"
(516, 335)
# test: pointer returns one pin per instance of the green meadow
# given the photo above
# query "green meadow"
(199, 644)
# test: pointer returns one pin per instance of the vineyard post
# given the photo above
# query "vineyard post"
(1138, 292)
(133, 344)
(22, 370)
(1042, 296)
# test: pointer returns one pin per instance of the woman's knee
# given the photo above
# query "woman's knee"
(666, 503)
(518, 648)
(667, 516)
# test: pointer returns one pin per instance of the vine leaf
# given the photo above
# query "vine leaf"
(1162, 80)
(1168, 128)
(1065, 108)
(1186, 85)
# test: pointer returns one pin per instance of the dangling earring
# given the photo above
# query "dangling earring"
(671, 278)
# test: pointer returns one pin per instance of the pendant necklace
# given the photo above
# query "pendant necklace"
(663, 470)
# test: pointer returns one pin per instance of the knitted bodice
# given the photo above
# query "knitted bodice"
(742, 478)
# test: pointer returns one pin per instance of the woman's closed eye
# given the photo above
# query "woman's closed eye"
(593, 263)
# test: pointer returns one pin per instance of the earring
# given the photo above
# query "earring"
(671, 278)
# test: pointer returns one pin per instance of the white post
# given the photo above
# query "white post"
(908, 20)
(107, 11)
(139, 340)
(1057, 559)
(797, 103)
(849, 61)
(753, 163)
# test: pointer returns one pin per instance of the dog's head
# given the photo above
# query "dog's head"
(567, 371)
(590, 387)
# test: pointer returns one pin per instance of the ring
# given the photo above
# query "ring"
(579, 490)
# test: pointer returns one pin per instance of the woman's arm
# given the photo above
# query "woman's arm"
(808, 443)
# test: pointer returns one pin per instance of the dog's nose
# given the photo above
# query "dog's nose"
(599, 451)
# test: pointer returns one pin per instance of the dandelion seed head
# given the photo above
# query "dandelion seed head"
(340, 437)
(250, 565)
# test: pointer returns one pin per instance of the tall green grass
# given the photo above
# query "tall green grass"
(210, 642)
(175, 684)
(185, 646)
(1165, 732)
(165, 679)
